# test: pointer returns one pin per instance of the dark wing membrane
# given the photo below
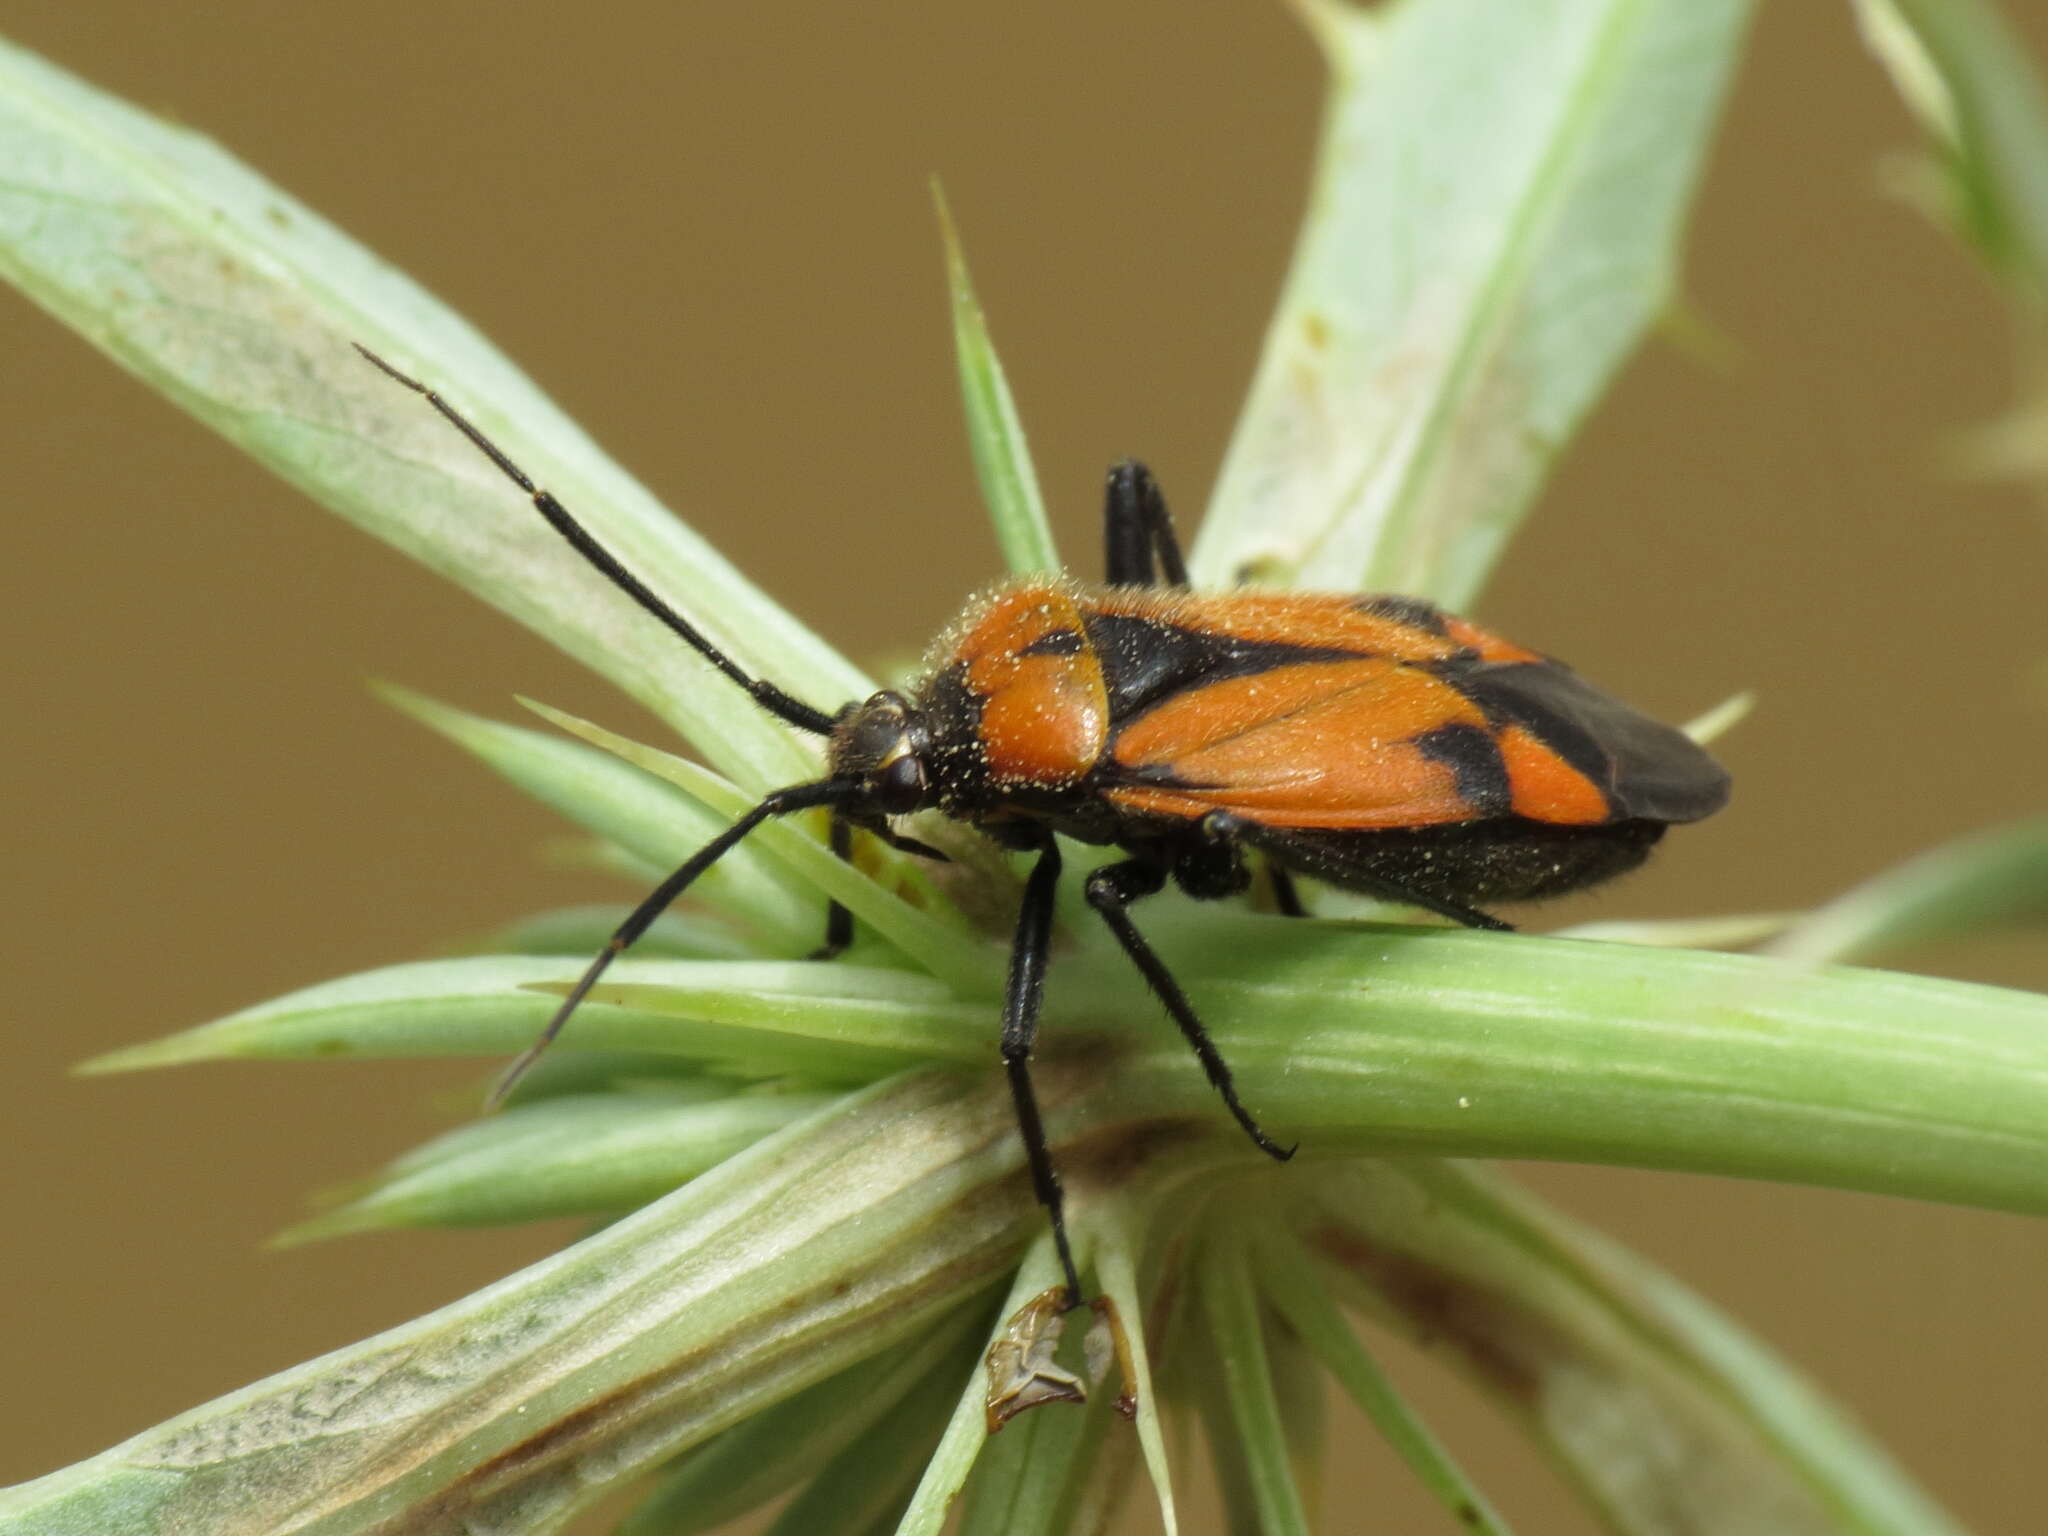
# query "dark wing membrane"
(1647, 770)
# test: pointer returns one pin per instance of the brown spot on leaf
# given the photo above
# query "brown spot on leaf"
(1503, 1344)
(1117, 1156)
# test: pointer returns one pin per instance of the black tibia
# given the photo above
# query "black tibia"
(838, 921)
(1138, 544)
(1021, 1000)
(798, 797)
(904, 844)
(1286, 895)
(771, 698)
(1111, 889)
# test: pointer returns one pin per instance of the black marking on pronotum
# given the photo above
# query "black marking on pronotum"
(1055, 642)
(1144, 660)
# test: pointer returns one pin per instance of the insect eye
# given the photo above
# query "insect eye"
(898, 788)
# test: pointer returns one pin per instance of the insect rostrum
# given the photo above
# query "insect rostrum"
(1373, 742)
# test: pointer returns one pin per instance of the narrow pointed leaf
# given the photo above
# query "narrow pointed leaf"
(888, 1010)
(1471, 1043)
(1635, 1387)
(585, 930)
(1116, 1270)
(634, 809)
(1237, 1334)
(1200, 1366)
(966, 1431)
(772, 1452)
(1300, 1390)
(1029, 1479)
(562, 1074)
(1092, 1506)
(772, 1018)
(1483, 246)
(1296, 1288)
(1002, 459)
(1990, 881)
(867, 1486)
(1858, 1475)
(571, 1155)
(510, 1411)
(1736, 930)
(1971, 78)
(932, 934)
(240, 304)
(1722, 718)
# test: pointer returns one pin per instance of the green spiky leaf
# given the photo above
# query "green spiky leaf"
(1993, 880)
(1484, 246)
(242, 305)
(593, 1154)
(1002, 459)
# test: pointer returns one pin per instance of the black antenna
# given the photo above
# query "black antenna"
(771, 698)
(797, 797)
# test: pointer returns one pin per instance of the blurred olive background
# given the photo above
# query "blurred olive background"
(706, 230)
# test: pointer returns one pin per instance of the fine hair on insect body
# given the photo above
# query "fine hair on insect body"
(1372, 742)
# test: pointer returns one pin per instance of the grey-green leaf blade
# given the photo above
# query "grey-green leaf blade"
(754, 1461)
(590, 1155)
(995, 434)
(584, 930)
(865, 1489)
(966, 1432)
(772, 1018)
(1633, 1387)
(633, 809)
(1297, 1292)
(1485, 242)
(846, 1234)
(1117, 1272)
(241, 304)
(1983, 883)
(932, 932)
(1987, 106)
(1237, 1335)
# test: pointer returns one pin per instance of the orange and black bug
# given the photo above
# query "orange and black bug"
(1376, 743)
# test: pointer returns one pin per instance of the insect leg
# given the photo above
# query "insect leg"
(838, 921)
(904, 844)
(1111, 889)
(1021, 998)
(797, 797)
(1138, 542)
(1286, 895)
